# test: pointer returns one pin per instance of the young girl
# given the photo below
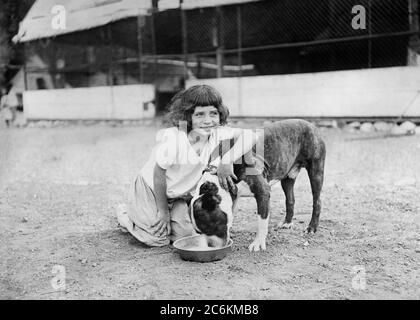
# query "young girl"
(158, 211)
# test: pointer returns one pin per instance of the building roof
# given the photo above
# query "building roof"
(79, 15)
(194, 4)
(86, 14)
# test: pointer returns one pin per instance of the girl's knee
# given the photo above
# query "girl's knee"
(181, 224)
(179, 211)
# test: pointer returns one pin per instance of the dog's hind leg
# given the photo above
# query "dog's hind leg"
(287, 184)
(315, 170)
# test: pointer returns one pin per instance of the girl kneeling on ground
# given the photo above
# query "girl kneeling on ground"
(158, 211)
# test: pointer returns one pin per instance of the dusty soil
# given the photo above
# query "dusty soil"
(59, 188)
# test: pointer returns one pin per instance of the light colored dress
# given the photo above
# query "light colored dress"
(184, 169)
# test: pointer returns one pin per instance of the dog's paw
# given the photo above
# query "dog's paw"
(257, 245)
(285, 225)
(310, 229)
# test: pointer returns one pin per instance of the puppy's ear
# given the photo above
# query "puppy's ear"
(209, 188)
(209, 202)
(210, 198)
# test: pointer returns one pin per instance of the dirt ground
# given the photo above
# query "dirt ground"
(59, 188)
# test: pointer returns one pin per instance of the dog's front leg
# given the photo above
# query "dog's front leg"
(260, 239)
(261, 190)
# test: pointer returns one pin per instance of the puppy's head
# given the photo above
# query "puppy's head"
(208, 216)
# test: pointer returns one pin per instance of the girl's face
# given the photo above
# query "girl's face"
(204, 119)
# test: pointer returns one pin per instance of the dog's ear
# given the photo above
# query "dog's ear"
(209, 188)
(209, 202)
(210, 198)
(208, 220)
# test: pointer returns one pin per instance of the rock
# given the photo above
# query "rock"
(328, 123)
(43, 124)
(367, 127)
(408, 126)
(350, 129)
(341, 124)
(89, 122)
(306, 244)
(381, 126)
(24, 220)
(20, 120)
(355, 125)
(398, 131)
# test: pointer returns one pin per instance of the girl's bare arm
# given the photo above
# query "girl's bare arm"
(159, 188)
(246, 139)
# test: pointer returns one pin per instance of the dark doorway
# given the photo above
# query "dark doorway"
(163, 99)
(40, 84)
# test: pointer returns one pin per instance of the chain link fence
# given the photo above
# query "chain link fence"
(248, 39)
(283, 37)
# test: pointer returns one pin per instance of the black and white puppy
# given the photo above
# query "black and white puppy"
(211, 210)
(289, 145)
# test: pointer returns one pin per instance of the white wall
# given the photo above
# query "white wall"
(355, 93)
(118, 102)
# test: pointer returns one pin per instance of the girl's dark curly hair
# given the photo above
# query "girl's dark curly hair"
(182, 105)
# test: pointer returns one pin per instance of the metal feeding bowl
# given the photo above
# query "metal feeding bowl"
(194, 248)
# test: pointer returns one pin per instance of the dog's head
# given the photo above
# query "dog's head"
(212, 212)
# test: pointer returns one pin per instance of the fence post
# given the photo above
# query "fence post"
(220, 42)
(370, 34)
(414, 43)
(239, 27)
(184, 39)
(239, 44)
(25, 67)
(153, 29)
(111, 56)
(140, 23)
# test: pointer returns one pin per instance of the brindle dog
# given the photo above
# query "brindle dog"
(289, 145)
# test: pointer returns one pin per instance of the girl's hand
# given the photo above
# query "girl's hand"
(225, 174)
(164, 223)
